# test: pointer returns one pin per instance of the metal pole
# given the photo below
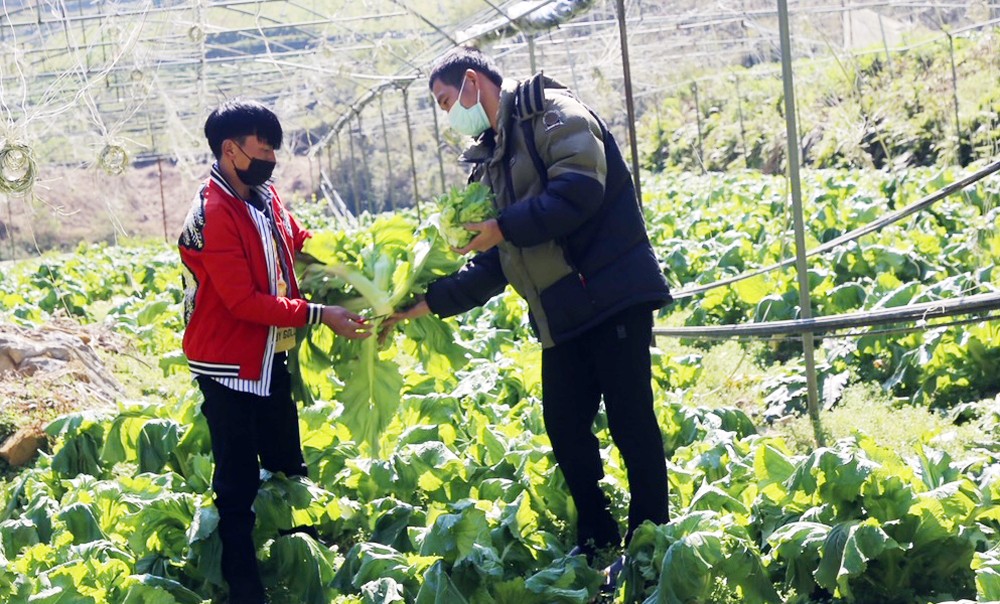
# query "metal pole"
(885, 44)
(366, 176)
(805, 305)
(388, 159)
(159, 169)
(846, 21)
(531, 53)
(163, 199)
(697, 118)
(354, 172)
(340, 162)
(413, 161)
(437, 140)
(629, 102)
(10, 230)
(572, 67)
(312, 177)
(954, 94)
(743, 132)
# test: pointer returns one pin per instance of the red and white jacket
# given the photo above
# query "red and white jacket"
(228, 306)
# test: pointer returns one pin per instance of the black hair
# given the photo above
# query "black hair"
(451, 67)
(237, 119)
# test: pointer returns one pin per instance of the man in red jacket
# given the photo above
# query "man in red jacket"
(242, 305)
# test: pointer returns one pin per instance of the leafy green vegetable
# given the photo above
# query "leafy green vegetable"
(376, 270)
(459, 207)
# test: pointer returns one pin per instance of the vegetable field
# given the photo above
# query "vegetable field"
(431, 479)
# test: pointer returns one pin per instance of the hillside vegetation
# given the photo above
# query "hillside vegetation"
(874, 110)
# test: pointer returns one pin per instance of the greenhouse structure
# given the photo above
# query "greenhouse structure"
(455, 307)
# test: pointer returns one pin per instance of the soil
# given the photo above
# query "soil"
(46, 372)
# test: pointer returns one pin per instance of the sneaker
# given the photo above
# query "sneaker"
(611, 575)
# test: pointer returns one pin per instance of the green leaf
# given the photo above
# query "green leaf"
(846, 553)
(567, 580)
(151, 589)
(751, 291)
(438, 588)
(453, 535)
(900, 296)
(774, 308)
(686, 572)
(391, 525)
(80, 521)
(382, 591)
(156, 444)
(798, 544)
(845, 297)
(17, 534)
(371, 395)
(366, 562)
(303, 566)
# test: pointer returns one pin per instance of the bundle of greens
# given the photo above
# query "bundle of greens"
(373, 271)
(458, 207)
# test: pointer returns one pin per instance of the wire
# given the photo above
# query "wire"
(834, 323)
(854, 234)
(836, 335)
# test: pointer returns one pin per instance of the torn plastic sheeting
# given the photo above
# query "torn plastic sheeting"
(527, 17)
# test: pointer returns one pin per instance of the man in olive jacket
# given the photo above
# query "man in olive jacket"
(570, 239)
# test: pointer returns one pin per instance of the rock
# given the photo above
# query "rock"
(54, 350)
(21, 447)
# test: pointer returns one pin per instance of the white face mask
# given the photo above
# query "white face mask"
(470, 121)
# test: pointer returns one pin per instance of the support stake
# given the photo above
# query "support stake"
(366, 175)
(413, 161)
(354, 173)
(697, 119)
(629, 101)
(163, 198)
(885, 44)
(437, 141)
(805, 304)
(388, 159)
(531, 53)
(954, 95)
(10, 230)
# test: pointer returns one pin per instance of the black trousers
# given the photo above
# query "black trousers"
(611, 360)
(246, 428)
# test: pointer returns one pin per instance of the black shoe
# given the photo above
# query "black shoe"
(304, 529)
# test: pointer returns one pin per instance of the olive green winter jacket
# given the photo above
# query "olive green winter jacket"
(575, 243)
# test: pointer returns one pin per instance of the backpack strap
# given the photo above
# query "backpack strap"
(528, 131)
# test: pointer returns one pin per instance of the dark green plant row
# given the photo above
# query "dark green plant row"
(711, 227)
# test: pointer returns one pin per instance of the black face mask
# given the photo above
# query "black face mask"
(257, 172)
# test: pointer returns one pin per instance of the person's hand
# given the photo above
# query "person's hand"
(489, 236)
(344, 323)
(416, 311)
